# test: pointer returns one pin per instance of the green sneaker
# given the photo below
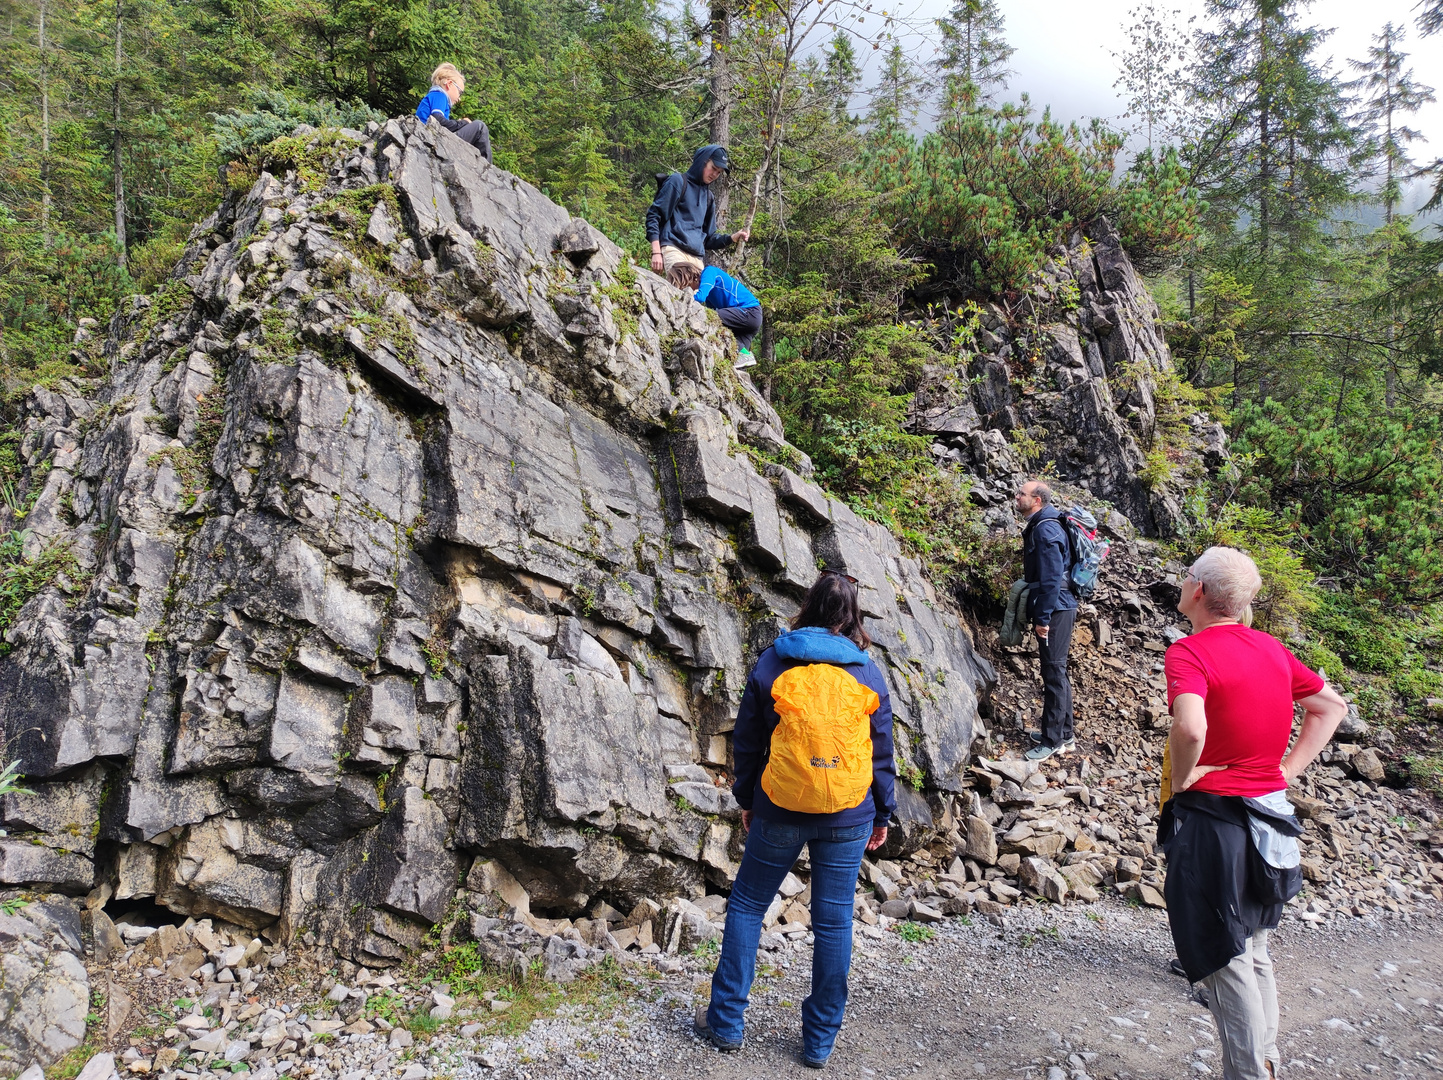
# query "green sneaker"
(745, 359)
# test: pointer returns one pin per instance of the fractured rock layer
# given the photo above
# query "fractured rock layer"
(413, 522)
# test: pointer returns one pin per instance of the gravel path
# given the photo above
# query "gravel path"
(1052, 994)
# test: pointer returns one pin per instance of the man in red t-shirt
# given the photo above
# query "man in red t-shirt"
(1231, 690)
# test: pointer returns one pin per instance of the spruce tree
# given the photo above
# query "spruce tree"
(1274, 137)
(1389, 92)
(973, 51)
(1430, 17)
(898, 94)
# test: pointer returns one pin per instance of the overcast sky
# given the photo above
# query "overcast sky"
(1064, 51)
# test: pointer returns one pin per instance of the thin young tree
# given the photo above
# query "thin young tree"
(116, 144)
(972, 51)
(1152, 72)
(44, 131)
(721, 92)
(897, 97)
(770, 45)
(1389, 92)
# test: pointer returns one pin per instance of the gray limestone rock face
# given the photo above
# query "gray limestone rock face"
(414, 538)
(1077, 381)
(44, 988)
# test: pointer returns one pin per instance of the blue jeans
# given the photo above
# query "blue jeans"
(772, 850)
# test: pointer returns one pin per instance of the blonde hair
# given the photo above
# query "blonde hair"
(448, 73)
(1230, 580)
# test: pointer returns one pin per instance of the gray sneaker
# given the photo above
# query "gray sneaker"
(1040, 752)
(1068, 746)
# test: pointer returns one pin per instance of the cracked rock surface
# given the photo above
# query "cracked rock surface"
(413, 523)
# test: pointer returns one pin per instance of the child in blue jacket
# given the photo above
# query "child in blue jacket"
(447, 86)
(739, 311)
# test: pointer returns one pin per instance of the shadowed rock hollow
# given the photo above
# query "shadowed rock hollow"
(414, 523)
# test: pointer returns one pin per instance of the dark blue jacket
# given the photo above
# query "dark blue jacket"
(684, 213)
(718, 289)
(1046, 560)
(757, 718)
(436, 100)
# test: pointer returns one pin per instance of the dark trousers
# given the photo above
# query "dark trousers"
(743, 322)
(1056, 689)
(474, 132)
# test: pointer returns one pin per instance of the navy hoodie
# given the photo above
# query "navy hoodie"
(1046, 558)
(683, 214)
(757, 718)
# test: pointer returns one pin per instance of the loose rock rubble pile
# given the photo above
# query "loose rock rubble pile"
(1366, 847)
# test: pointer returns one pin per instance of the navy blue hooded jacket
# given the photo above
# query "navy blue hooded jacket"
(757, 718)
(684, 213)
(1046, 558)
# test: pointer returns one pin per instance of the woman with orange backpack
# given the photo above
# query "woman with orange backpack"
(813, 757)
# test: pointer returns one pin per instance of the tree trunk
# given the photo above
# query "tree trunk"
(1265, 149)
(117, 163)
(1388, 150)
(722, 92)
(44, 134)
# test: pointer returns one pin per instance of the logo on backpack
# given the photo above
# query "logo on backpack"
(1088, 548)
(821, 755)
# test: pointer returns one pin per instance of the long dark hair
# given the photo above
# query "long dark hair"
(831, 603)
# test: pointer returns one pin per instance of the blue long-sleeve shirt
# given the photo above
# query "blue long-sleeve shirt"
(436, 100)
(1046, 558)
(718, 289)
(757, 719)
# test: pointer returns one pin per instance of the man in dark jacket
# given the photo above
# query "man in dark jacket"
(680, 223)
(1051, 608)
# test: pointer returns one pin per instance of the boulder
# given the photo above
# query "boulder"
(450, 558)
(44, 987)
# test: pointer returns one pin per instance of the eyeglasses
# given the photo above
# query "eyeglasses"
(838, 573)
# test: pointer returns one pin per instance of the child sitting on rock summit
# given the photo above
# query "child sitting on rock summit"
(739, 311)
(447, 86)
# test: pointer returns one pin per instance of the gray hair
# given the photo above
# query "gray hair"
(1230, 580)
(1042, 491)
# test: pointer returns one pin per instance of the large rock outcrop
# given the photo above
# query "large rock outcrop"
(1068, 376)
(415, 523)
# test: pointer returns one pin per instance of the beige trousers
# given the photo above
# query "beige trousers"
(674, 256)
(1243, 998)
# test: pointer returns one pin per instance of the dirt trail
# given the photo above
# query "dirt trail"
(1051, 995)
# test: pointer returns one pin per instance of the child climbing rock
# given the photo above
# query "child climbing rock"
(739, 311)
(447, 86)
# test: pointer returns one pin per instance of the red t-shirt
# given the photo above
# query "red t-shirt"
(1248, 681)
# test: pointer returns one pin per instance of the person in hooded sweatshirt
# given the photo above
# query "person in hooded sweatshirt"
(814, 767)
(680, 222)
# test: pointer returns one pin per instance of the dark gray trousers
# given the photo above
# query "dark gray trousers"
(475, 132)
(743, 322)
(1056, 689)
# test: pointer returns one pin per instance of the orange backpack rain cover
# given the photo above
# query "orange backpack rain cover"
(821, 759)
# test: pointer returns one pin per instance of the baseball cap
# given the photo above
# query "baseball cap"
(720, 160)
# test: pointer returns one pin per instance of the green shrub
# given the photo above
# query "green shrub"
(1289, 592)
(990, 190)
(22, 577)
(274, 113)
(1361, 489)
